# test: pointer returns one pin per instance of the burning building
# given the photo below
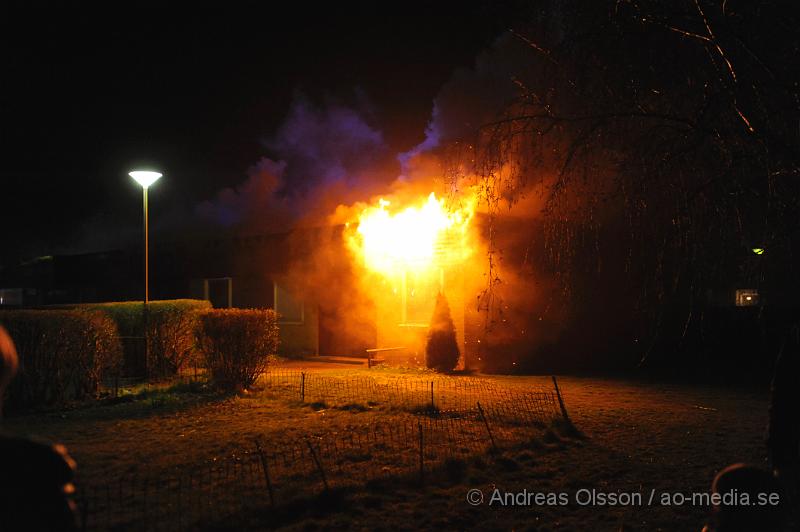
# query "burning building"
(408, 254)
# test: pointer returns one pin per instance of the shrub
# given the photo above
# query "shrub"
(236, 345)
(172, 339)
(441, 351)
(63, 354)
(171, 326)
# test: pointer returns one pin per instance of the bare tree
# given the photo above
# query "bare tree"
(666, 136)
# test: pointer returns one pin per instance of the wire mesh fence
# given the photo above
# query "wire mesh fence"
(454, 421)
(175, 500)
(448, 395)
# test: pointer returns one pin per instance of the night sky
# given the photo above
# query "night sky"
(88, 95)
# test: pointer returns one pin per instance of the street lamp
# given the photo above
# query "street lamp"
(145, 178)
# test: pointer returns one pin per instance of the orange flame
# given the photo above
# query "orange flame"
(417, 237)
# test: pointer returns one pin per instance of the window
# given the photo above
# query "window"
(290, 309)
(419, 293)
(11, 296)
(747, 297)
(219, 292)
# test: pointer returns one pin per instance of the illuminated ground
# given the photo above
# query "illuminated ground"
(640, 436)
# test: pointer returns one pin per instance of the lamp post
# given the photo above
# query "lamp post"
(145, 178)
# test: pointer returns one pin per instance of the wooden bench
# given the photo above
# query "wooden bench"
(372, 352)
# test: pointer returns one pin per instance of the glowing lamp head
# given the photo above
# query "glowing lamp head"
(145, 177)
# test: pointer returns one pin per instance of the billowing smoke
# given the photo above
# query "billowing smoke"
(331, 154)
(320, 157)
(472, 98)
(254, 203)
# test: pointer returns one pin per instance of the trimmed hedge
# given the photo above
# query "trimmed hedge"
(171, 328)
(63, 355)
(237, 344)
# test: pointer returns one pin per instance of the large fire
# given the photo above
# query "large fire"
(416, 237)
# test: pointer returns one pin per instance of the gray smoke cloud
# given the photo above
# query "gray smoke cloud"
(472, 97)
(333, 153)
(321, 156)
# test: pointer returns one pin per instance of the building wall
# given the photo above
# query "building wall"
(298, 320)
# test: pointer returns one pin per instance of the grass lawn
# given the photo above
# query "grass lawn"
(639, 437)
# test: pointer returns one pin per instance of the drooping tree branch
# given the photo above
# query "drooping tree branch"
(665, 147)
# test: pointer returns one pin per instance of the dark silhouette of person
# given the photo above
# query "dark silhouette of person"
(750, 501)
(35, 476)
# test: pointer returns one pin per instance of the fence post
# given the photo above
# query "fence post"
(560, 400)
(303, 387)
(318, 464)
(84, 510)
(146, 512)
(180, 506)
(421, 454)
(486, 423)
(265, 467)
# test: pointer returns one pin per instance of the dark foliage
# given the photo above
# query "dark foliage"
(441, 351)
(664, 138)
(63, 355)
(171, 329)
(236, 345)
